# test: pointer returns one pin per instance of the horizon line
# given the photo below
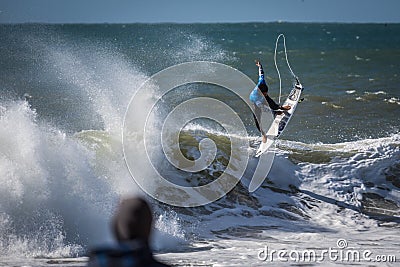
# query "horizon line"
(170, 22)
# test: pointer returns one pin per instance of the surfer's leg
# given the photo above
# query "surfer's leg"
(274, 106)
(271, 103)
(257, 117)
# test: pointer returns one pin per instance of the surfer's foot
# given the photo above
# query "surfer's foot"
(285, 107)
(264, 138)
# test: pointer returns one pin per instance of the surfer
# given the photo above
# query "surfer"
(260, 98)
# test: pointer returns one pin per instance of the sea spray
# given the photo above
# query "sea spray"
(50, 194)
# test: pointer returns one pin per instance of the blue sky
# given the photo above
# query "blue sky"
(182, 11)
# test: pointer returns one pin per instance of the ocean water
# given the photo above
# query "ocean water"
(334, 182)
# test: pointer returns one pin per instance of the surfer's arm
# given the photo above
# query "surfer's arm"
(260, 72)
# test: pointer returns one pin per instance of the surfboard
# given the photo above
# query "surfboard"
(281, 118)
(264, 146)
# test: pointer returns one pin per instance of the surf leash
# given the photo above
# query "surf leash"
(287, 62)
